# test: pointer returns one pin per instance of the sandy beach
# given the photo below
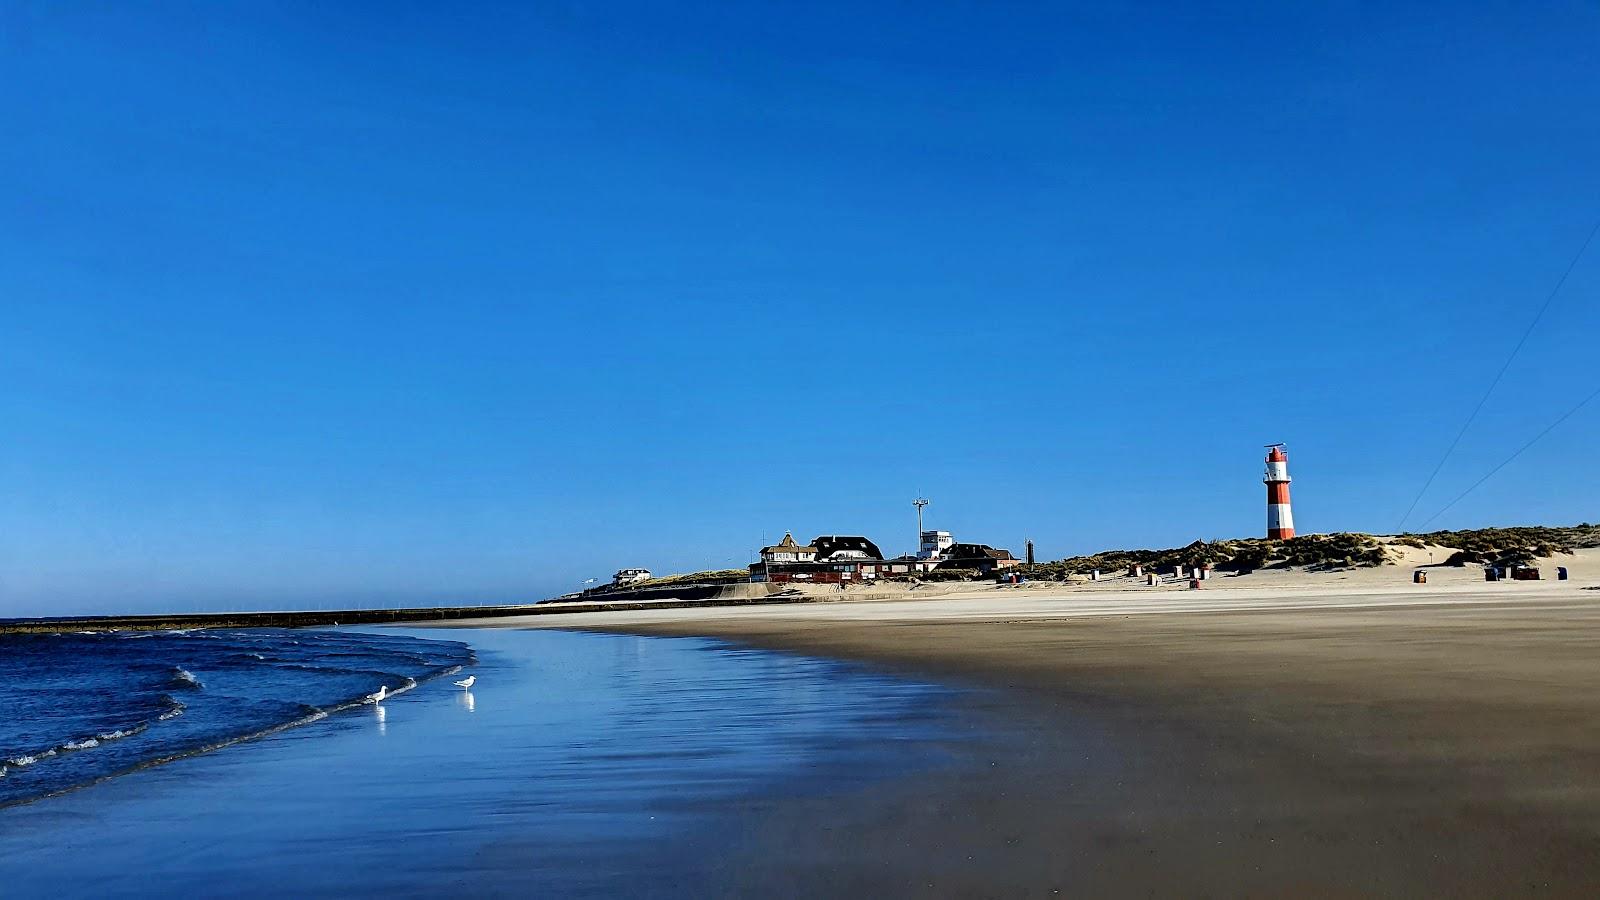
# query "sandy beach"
(1335, 734)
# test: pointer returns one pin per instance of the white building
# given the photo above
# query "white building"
(625, 577)
(935, 544)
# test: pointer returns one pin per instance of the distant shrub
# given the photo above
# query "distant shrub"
(716, 576)
(1248, 559)
(1514, 546)
(951, 575)
(1501, 546)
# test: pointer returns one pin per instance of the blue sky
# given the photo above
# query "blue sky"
(398, 303)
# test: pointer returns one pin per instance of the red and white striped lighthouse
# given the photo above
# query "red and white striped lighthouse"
(1280, 518)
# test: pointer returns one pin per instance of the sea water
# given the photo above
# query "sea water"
(578, 764)
(79, 708)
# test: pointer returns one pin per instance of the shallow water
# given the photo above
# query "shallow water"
(77, 708)
(580, 764)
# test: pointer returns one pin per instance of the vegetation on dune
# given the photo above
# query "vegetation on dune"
(1492, 546)
(945, 575)
(712, 576)
(1318, 551)
(1511, 546)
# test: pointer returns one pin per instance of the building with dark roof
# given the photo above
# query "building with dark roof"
(980, 557)
(841, 546)
(828, 559)
(852, 559)
(900, 567)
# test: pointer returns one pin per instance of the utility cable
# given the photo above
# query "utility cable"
(1552, 426)
(1496, 382)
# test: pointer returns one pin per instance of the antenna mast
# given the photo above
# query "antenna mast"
(919, 503)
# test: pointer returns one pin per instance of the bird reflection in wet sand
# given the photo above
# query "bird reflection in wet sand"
(469, 701)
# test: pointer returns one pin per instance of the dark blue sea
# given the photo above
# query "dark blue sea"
(79, 708)
(244, 762)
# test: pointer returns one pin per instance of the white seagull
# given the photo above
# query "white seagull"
(467, 682)
(378, 697)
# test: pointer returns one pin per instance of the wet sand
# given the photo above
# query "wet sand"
(1333, 743)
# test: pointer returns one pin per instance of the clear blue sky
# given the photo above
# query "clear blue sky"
(387, 303)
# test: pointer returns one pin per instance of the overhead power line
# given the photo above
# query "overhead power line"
(1496, 382)
(1507, 461)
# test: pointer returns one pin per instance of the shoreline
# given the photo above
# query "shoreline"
(1363, 744)
(1347, 739)
(577, 765)
(1583, 565)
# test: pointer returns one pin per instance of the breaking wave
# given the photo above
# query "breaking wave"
(81, 708)
(174, 708)
(18, 762)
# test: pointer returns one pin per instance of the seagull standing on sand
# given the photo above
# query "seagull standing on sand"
(467, 682)
(378, 697)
